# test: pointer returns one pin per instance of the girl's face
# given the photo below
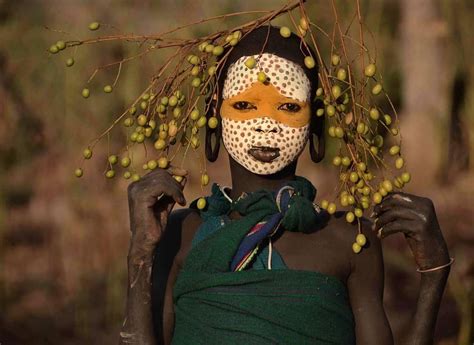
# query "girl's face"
(265, 126)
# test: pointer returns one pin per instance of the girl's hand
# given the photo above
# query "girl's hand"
(415, 217)
(150, 200)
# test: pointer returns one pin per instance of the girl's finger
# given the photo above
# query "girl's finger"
(394, 227)
(393, 214)
(394, 199)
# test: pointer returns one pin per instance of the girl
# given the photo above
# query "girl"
(261, 263)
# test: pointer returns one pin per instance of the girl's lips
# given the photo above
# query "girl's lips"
(264, 154)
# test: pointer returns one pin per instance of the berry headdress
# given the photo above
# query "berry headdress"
(166, 120)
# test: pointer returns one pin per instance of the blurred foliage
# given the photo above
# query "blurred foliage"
(63, 241)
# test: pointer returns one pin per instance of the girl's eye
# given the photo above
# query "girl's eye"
(291, 107)
(242, 105)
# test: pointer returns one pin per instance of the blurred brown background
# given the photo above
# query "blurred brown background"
(63, 241)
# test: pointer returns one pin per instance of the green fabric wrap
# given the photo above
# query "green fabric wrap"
(215, 253)
(215, 306)
(262, 307)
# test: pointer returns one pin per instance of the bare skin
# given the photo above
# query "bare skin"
(148, 220)
(327, 251)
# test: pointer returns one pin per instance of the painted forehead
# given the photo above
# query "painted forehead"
(286, 76)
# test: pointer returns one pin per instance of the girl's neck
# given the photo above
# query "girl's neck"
(244, 181)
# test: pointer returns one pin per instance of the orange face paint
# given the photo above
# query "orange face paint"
(264, 100)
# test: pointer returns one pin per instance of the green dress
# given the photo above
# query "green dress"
(258, 305)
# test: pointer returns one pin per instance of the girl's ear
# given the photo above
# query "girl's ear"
(317, 126)
(213, 135)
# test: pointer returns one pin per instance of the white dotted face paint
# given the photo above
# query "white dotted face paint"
(287, 77)
(241, 136)
(247, 139)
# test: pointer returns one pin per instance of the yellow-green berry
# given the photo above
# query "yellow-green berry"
(212, 70)
(361, 166)
(125, 161)
(160, 144)
(309, 62)
(87, 153)
(141, 120)
(387, 185)
(350, 217)
(213, 122)
(285, 32)
(377, 198)
(337, 161)
(202, 46)
(218, 50)
(341, 74)
(163, 162)
(346, 161)
(194, 114)
(53, 49)
(204, 179)
(374, 114)
(172, 101)
(128, 122)
(209, 48)
(406, 177)
(112, 159)
(378, 140)
(233, 42)
(78, 172)
(195, 71)
(201, 122)
(353, 177)
(201, 203)
(110, 174)
(336, 91)
(399, 163)
(356, 248)
(94, 26)
(360, 128)
(331, 208)
(370, 70)
(361, 240)
(140, 138)
(330, 110)
(86, 93)
(196, 82)
(152, 164)
(394, 150)
(250, 62)
(377, 89)
(194, 60)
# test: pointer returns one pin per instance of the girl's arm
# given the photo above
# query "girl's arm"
(365, 285)
(415, 217)
(150, 202)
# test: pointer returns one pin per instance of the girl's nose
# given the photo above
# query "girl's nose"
(267, 125)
